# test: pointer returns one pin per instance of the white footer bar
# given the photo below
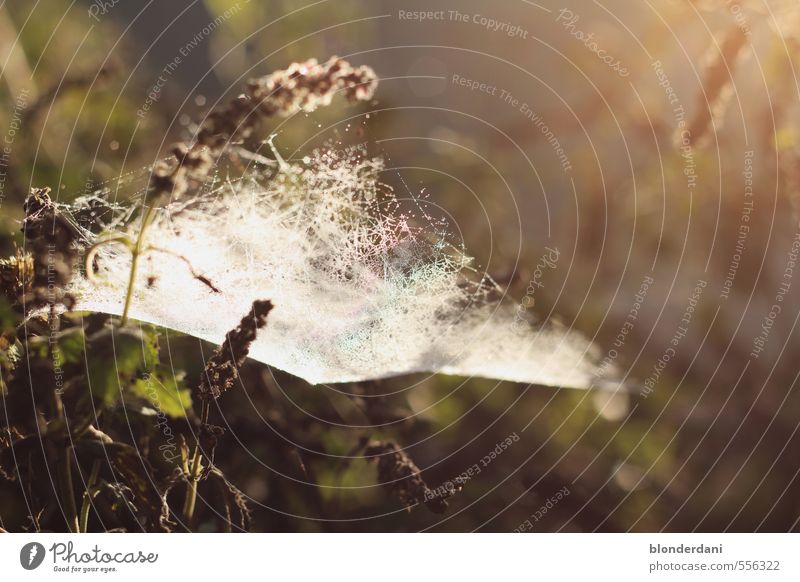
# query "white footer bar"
(401, 557)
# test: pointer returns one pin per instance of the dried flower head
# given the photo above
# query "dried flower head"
(302, 87)
(306, 86)
(717, 85)
(53, 239)
(222, 369)
(400, 475)
(16, 276)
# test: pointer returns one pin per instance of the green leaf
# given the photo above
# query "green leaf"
(115, 357)
(165, 392)
(8, 318)
(69, 346)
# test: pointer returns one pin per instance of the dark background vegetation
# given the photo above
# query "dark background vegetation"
(713, 447)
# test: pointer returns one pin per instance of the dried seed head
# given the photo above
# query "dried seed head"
(717, 85)
(301, 87)
(16, 276)
(400, 475)
(170, 178)
(52, 239)
(306, 86)
(222, 369)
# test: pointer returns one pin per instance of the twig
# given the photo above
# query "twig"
(67, 491)
(89, 495)
(190, 501)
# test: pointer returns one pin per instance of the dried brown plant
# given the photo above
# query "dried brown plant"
(401, 475)
(717, 84)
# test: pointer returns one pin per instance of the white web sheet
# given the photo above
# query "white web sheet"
(358, 292)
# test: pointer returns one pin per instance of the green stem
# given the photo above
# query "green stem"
(67, 492)
(135, 254)
(191, 493)
(88, 495)
(190, 501)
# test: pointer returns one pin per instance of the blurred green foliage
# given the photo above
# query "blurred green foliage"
(689, 456)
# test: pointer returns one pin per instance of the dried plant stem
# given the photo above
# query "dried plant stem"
(64, 466)
(88, 495)
(190, 501)
(219, 376)
(67, 491)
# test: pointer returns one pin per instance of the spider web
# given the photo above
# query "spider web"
(360, 291)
